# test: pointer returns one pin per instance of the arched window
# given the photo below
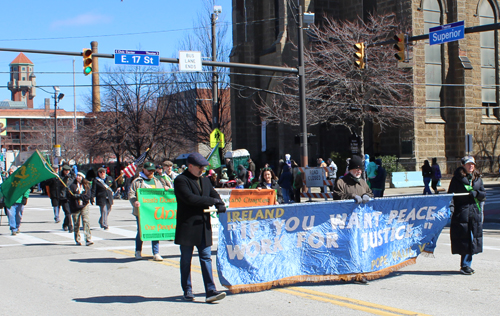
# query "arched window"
(488, 69)
(433, 58)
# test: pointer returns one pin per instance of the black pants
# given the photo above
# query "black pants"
(434, 184)
(68, 222)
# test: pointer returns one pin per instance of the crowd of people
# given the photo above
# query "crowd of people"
(194, 188)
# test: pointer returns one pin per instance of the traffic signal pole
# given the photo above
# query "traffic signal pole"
(302, 92)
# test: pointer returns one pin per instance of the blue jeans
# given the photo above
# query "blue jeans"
(204, 253)
(465, 260)
(427, 189)
(155, 244)
(15, 214)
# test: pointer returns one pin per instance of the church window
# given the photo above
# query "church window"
(488, 68)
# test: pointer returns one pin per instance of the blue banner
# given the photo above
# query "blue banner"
(268, 246)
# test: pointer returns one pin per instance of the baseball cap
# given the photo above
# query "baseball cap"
(149, 166)
(469, 159)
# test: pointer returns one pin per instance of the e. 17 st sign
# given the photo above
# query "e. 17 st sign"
(136, 57)
(447, 33)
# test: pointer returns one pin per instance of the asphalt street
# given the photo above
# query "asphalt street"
(43, 272)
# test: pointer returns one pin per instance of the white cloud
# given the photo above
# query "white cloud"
(82, 19)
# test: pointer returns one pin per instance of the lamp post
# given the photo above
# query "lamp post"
(57, 148)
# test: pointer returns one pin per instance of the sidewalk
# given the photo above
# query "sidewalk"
(491, 216)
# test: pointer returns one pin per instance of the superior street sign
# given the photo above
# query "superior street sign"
(137, 57)
(447, 33)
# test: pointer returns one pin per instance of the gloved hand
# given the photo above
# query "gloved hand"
(358, 199)
(365, 198)
(473, 193)
(221, 208)
(218, 201)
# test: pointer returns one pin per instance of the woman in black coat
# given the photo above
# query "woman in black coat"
(466, 229)
(268, 181)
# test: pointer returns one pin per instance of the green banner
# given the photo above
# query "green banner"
(32, 172)
(157, 214)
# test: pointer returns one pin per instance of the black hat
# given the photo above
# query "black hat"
(149, 166)
(356, 163)
(197, 159)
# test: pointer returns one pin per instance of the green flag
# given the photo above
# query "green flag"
(33, 171)
(214, 158)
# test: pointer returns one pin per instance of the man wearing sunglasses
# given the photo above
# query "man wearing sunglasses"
(194, 194)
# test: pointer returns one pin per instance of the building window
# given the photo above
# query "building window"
(488, 69)
(23, 69)
(433, 61)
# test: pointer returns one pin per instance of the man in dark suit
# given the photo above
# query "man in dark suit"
(102, 191)
(194, 194)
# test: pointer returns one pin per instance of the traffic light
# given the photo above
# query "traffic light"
(360, 55)
(400, 47)
(87, 61)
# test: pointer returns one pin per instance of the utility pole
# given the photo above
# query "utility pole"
(96, 92)
(215, 79)
(302, 92)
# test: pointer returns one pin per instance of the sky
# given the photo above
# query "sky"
(70, 26)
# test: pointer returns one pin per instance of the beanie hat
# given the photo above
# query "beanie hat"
(355, 163)
(81, 174)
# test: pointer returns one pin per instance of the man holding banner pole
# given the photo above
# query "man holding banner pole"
(194, 194)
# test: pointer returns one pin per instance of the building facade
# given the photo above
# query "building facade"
(455, 85)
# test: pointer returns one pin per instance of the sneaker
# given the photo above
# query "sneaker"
(13, 233)
(65, 228)
(213, 296)
(79, 243)
(89, 243)
(157, 257)
(138, 255)
(466, 270)
(363, 280)
(106, 228)
(188, 296)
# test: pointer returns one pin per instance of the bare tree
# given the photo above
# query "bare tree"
(337, 91)
(193, 119)
(135, 106)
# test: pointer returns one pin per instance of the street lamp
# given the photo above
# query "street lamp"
(57, 148)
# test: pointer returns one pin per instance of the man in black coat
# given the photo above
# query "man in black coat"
(194, 194)
(102, 191)
(63, 196)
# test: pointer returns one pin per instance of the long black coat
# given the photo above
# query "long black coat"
(466, 218)
(192, 222)
(100, 194)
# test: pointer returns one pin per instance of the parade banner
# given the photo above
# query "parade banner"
(157, 214)
(158, 211)
(262, 247)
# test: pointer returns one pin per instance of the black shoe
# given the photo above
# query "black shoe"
(213, 296)
(188, 296)
(467, 270)
(65, 228)
(70, 230)
(361, 280)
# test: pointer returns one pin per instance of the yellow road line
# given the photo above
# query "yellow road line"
(355, 304)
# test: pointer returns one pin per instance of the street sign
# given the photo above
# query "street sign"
(447, 33)
(136, 57)
(190, 61)
(215, 137)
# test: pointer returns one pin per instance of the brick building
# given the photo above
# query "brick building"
(457, 82)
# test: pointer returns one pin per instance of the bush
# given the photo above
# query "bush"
(391, 164)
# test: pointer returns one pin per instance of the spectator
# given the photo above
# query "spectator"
(436, 175)
(285, 182)
(427, 175)
(378, 182)
(466, 228)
